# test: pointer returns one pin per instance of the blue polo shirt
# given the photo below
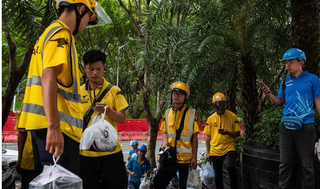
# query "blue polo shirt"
(139, 170)
(299, 95)
(133, 152)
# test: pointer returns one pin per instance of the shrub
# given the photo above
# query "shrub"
(266, 132)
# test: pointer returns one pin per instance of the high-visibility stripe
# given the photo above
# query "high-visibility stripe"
(75, 84)
(191, 119)
(51, 31)
(38, 109)
(33, 108)
(184, 150)
(35, 80)
(171, 136)
(70, 96)
(167, 117)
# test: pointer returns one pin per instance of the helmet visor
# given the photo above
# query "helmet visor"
(220, 106)
(99, 18)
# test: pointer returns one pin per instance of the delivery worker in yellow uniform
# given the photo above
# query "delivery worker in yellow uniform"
(25, 164)
(102, 169)
(221, 129)
(51, 106)
(187, 145)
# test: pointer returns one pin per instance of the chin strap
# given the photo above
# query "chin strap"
(78, 18)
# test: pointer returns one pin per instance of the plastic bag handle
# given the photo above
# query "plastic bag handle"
(105, 110)
(55, 160)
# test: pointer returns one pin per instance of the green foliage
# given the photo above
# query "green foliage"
(266, 131)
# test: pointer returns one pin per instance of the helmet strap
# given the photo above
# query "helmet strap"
(79, 17)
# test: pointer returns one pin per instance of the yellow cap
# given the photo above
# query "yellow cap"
(218, 97)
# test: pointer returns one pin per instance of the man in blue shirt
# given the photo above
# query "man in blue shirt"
(138, 167)
(300, 94)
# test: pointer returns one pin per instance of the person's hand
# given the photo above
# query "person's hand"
(145, 174)
(194, 163)
(55, 141)
(223, 131)
(264, 88)
(133, 174)
(208, 157)
(99, 108)
(18, 168)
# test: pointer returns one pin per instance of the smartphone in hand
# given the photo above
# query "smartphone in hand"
(100, 105)
(262, 84)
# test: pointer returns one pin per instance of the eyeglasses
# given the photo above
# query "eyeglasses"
(177, 93)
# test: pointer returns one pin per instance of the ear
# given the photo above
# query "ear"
(81, 8)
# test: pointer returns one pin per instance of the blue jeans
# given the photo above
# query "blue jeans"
(133, 185)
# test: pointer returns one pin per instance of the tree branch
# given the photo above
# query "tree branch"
(136, 25)
(12, 46)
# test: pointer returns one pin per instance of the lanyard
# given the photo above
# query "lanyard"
(94, 92)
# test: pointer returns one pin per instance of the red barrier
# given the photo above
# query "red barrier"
(133, 125)
(132, 129)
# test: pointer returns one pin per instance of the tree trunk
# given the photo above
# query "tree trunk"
(305, 31)
(15, 76)
(153, 129)
(249, 95)
(231, 91)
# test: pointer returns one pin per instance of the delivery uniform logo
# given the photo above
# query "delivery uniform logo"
(61, 42)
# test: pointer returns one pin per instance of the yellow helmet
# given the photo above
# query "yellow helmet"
(91, 4)
(218, 97)
(180, 86)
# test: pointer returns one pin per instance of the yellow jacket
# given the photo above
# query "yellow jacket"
(171, 124)
(54, 47)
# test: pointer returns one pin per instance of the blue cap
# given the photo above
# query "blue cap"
(142, 147)
(133, 142)
(294, 53)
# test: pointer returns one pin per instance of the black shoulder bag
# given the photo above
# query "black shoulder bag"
(168, 159)
(87, 116)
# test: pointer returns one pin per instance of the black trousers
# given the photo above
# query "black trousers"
(163, 177)
(69, 159)
(229, 158)
(105, 172)
(303, 141)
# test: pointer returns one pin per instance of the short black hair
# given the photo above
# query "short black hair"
(93, 56)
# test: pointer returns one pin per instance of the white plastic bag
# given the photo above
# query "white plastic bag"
(318, 150)
(56, 177)
(144, 183)
(194, 179)
(208, 174)
(101, 135)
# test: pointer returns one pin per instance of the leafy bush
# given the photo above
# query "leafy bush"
(266, 132)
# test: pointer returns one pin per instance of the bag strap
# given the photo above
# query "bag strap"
(178, 132)
(90, 111)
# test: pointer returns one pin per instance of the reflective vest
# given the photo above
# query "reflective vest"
(70, 110)
(184, 144)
